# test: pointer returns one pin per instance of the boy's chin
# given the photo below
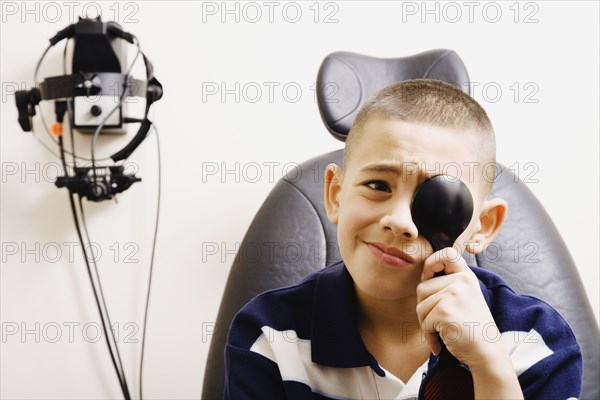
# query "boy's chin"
(385, 287)
(387, 294)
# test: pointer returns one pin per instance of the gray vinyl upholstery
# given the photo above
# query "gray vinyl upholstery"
(291, 237)
(345, 80)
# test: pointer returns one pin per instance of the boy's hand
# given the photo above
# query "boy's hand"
(453, 307)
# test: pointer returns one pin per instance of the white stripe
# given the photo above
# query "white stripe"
(525, 349)
(293, 357)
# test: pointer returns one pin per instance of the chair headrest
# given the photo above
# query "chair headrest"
(346, 80)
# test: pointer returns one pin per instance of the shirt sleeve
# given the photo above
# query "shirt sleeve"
(556, 364)
(543, 349)
(557, 376)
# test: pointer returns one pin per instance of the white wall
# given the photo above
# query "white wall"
(45, 289)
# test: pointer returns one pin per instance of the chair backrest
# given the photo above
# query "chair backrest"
(291, 236)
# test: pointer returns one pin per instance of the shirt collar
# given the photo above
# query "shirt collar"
(336, 341)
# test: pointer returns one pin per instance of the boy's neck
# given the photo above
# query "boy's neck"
(392, 322)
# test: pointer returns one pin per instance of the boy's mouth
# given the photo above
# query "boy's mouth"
(390, 255)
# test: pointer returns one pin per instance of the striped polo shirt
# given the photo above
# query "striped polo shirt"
(303, 342)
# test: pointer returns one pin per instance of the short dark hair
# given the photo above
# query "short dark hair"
(429, 102)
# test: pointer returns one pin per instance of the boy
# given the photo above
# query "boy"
(366, 326)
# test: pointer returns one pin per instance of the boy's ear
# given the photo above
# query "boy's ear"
(491, 218)
(333, 188)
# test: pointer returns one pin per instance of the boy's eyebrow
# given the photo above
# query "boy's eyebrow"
(397, 168)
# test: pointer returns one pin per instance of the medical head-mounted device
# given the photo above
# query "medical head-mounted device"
(93, 97)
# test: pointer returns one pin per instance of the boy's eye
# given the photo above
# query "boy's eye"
(379, 186)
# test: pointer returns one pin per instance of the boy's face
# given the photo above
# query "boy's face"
(370, 201)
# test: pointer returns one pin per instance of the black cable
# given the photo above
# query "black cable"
(93, 148)
(120, 363)
(76, 221)
(151, 263)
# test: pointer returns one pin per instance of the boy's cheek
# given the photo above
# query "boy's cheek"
(357, 214)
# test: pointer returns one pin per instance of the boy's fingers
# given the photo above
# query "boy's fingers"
(430, 334)
(428, 293)
(427, 319)
(430, 268)
(447, 260)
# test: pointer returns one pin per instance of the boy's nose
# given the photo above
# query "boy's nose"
(399, 221)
